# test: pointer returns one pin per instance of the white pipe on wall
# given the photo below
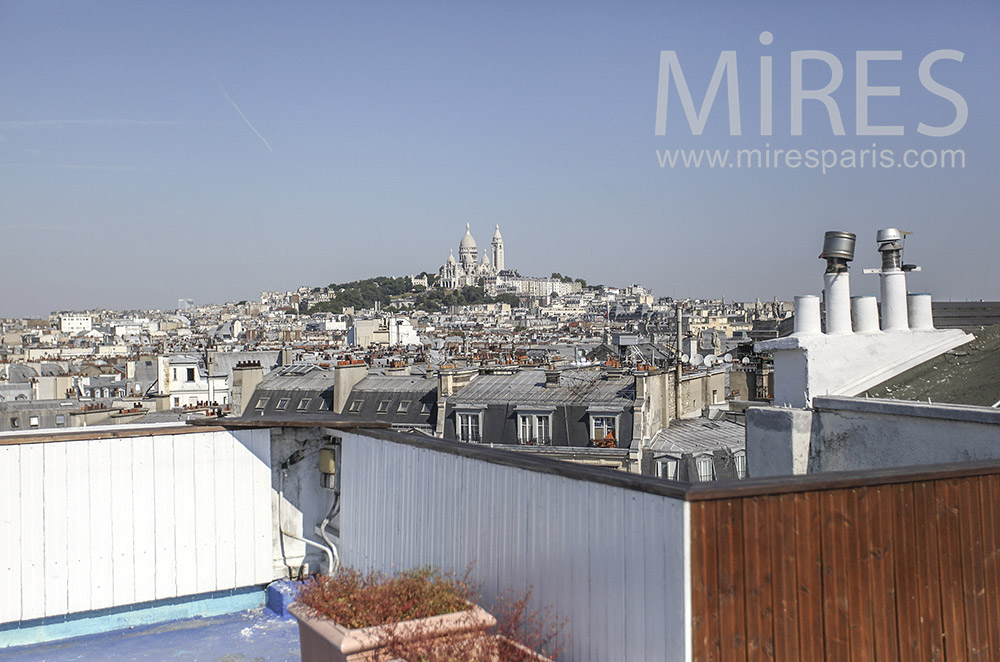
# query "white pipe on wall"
(807, 315)
(865, 312)
(838, 302)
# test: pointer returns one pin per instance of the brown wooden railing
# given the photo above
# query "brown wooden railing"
(849, 569)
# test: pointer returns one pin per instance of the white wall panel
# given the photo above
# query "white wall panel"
(10, 533)
(94, 523)
(260, 443)
(78, 529)
(225, 515)
(608, 559)
(122, 524)
(243, 496)
(101, 550)
(164, 518)
(204, 514)
(54, 522)
(185, 545)
(32, 548)
(143, 514)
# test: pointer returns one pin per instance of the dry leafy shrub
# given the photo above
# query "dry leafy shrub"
(521, 635)
(357, 600)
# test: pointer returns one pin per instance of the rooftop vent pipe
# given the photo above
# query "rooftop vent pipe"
(893, 279)
(838, 250)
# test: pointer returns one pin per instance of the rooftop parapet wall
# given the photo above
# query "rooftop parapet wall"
(100, 519)
(852, 434)
(609, 558)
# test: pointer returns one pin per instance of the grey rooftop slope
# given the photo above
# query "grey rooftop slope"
(967, 375)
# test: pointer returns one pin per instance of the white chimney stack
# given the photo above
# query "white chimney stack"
(865, 310)
(893, 280)
(919, 310)
(838, 250)
(807, 315)
(852, 357)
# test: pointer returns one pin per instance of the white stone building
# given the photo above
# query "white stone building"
(468, 270)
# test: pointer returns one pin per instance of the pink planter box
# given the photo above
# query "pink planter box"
(322, 640)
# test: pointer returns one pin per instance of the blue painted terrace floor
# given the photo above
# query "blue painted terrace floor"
(257, 635)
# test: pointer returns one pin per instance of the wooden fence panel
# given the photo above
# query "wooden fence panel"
(759, 594)
(784, 569)
(989, 495)
(869, 573)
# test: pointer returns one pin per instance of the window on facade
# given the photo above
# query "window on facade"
(33, 421)
(604, 428)
(383, 406)
(404, 405)
(667, 469)
(282, 404)
(535, 429)
(262, 402)
(355, 405)
(177, 402)
(706, 468)
(175, 374)
(14, 423)
(468, 427)
(303, 404)
(741, 465)
(190, 375)
(60, 420)
(425, 408)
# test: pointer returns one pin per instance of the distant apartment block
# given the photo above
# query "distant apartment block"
(73, 324)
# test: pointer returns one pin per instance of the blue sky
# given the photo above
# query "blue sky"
(152, 151)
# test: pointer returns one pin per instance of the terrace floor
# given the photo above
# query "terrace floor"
(257, 635)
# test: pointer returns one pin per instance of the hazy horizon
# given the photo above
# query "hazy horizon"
(210, 151)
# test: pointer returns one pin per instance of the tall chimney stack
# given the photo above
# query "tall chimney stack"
(893, 280)
(838, 250)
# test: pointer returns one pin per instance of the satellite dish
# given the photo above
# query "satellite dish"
(728, 358)
(711, 359)
(746, 360)
(685, 358)
(697, 359)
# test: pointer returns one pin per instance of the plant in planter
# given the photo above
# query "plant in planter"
(353, 616)
(419, 615)
(521, 635)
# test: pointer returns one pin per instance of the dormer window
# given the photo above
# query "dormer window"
(604, 421)
(534, 425)
(469, 423)
(604, 428)
(469, 427)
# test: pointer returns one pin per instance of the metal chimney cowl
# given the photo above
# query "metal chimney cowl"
(838, 250)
